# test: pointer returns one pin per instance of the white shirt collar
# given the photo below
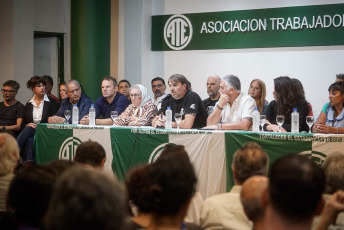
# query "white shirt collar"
(45, 98)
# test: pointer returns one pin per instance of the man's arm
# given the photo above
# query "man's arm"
(187, 123)
(244, 124)
(215, 116)
(15, 127)
(107, 121)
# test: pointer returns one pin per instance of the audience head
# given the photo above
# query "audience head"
(90, 153)
(139, 95)
(340, 77)
(9, 153)
(49, 83)
(213, 85)
(29, 195)
(295, 189)
(109, 87)
(86, 199)
(333, 169)
(73, 90)
(10, 90)
(178, 86)
(124, 87)
(248, 161)
(63, 90)
(257, 91)
(158, 86)
(251, 196)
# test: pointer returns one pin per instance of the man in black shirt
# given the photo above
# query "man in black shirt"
(182, 100)
(213, 90)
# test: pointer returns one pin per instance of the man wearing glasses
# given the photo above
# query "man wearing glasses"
(158, 88)
(11, 110)
(75, 96)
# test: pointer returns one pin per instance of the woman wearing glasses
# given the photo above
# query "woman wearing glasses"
(37, 110)
(141, 110)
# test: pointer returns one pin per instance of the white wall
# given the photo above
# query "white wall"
(314, 66)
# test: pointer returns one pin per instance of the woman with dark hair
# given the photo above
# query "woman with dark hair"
(37, 110)
(332, 120)
(257, 91)
(286, 98)
(300, 93)
(63, 90)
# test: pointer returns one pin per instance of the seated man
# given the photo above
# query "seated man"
(158, 88)
(234, 108)
(184, 101)
(90, 153)
(75, 96)
(293, 196)
(225, 211)
(213, 90)
(11, 110)
(111, 100)
(124, 88)
(49, 84)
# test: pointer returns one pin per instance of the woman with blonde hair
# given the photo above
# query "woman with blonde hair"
(257, 91)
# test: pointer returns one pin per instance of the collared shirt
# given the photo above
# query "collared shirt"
(103, 108)
(38, 110)
(84, 105)
(337, 121)
(158, 101)
(242, 107)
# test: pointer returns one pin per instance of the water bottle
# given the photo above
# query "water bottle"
(256, 120)
(75, 115)
(92, 115)
(168, 124)
(295, 121)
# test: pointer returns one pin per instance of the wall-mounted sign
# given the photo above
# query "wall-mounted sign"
(320, 25)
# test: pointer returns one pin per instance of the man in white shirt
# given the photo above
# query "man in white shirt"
(234, 108)
(158, 88)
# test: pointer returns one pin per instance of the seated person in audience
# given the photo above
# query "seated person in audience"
(9, 156)
(234, 108)
(182, 100)
(86, 199)
(37, 110)
(49, 84)
(332, 120)
(90, 153)
(63, 90)
(158, 88)
(286, 98)
(11, 110)
(293, 196)
(213, 90)
(75, 97)
(225, 211)
(124, 88)
(257, 91)
(166, 189)
(111, 100)
(300, 93)
(141, 110)
(251, 196)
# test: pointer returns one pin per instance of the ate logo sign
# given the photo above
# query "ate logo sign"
(178, 32)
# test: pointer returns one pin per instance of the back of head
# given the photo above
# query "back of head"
(299, 92)
(90, 153)
(250, 160)
(86, 199)
(251, 195)
(9, 153)
(296, 184)
(232, 81)
(284, 95)
(170, 150)
(29, 195)
(333, 169)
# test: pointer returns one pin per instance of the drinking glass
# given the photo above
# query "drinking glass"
(67, 114)
(262, 121)
(310, 122)
(178, 118)
(114, 114)
(279, 121)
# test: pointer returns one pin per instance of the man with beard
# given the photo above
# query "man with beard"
(158, 88)
(213, 90)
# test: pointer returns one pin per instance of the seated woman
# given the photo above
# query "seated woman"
(300, 92)
(257, 91)
(63, 91)
(332, 120)
(286, 98)
(37, 110)
(140, 112)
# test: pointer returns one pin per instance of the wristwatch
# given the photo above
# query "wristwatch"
(3, 128)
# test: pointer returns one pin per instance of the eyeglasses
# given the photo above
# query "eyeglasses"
(157, 86)
(135, 95)
(8, 91)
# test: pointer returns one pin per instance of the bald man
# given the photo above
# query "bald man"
(251, 194)
(213, 90)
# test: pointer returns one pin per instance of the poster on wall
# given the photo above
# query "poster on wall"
(319, 25)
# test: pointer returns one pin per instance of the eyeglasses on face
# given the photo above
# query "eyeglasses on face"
(8, 91)
(135, 95)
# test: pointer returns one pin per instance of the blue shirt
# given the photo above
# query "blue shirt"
(119, 104)
(84, 105)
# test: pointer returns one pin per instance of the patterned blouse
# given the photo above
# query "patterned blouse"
(149, 110)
